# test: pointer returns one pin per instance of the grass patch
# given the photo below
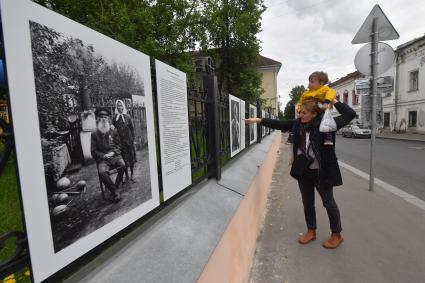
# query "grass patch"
(11, 219)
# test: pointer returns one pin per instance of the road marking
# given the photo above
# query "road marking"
(396, 191)
(416, 147)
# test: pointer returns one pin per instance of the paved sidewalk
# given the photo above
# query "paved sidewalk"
(384, 236)
(401, 136)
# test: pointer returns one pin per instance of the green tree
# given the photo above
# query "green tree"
(164, 29)
(168, 29)
(230, 35)
(295, 94)
(280, 114)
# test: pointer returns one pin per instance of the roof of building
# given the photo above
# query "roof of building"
(262, 61)
(410, 42)
(351, 76)
(266, 62)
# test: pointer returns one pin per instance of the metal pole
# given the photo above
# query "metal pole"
(374, 67)
(211, 85)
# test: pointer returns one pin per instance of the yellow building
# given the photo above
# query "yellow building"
(269, 68)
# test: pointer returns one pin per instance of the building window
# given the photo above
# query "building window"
(345, 96)
(414, 80)
(354, 97)
(412, 118)
(387, 119)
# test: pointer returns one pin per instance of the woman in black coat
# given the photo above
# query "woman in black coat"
(323, 173)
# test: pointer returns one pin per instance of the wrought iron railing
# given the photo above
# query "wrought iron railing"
(199, 122)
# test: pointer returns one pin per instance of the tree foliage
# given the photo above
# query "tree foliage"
(230, 28)
(163, 29)
(280, 114)
(169, 29)
(295, 94)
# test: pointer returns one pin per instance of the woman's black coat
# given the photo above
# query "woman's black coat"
(329, 174)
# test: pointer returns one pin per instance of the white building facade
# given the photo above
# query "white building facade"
(346, 92)
(404, 108)
(409, 98)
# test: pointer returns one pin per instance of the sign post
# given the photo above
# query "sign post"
(376, 27)
(374, 94)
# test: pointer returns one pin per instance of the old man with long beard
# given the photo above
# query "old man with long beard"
(105, 149)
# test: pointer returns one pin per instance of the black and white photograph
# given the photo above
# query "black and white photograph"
(242, 125)
(235, 125)
(85, 140)
(252, 127)
(85, 193)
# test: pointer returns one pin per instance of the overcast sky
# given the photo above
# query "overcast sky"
(309, 35)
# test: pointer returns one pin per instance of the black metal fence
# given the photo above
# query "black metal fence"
(199, 132)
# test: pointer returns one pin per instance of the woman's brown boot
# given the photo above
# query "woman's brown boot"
(307, 237)
(334, 241)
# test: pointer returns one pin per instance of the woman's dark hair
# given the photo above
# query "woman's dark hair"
(312, 106)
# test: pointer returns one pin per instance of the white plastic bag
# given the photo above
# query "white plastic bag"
(328, 123)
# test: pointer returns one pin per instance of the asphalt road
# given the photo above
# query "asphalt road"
(399, 163)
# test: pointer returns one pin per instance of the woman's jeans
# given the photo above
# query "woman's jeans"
(307, 183)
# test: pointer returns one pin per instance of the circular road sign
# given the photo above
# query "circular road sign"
(363, 59)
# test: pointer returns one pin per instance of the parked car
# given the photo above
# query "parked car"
(343, 130)
(354, 131)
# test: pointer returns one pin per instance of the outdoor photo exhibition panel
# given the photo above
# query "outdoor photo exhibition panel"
(252, 127)
(235, 125)
(267, 129)
(242, 111)
(263, 129)
(173, 129)
(60, 72)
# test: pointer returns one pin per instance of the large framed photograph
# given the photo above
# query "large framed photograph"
(267, 128)
(84, 131)
(252, 127)
(235, 125)
(242, 111)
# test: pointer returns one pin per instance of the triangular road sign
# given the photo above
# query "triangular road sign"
(386, 31)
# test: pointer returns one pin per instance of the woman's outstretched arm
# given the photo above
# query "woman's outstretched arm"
(284, 126)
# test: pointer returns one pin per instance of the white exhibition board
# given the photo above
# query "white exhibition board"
(252, 127)
(20, 18)
(173, 129)
(235, 124)
(242, 111)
